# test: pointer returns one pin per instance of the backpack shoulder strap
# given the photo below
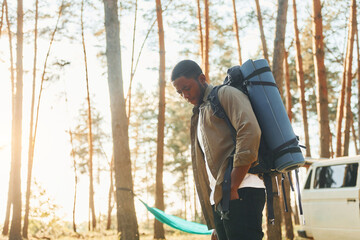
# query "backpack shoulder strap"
(219, 111)
(226, 185)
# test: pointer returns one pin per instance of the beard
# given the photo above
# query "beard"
(202, 88)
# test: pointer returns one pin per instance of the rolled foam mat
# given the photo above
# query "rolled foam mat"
(271, 115)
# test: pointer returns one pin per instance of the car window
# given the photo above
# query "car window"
(336, 176)
(308, 181)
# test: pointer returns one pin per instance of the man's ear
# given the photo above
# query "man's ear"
(202, 78)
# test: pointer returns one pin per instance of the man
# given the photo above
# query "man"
(212, 147)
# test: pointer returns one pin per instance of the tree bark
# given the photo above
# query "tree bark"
(75, 179)
(262, 35)
(132, 64)
(111, 191)
(348, 112)
(320, 78)
(2, 16)
(300, 82)
(127, 225)
(200, 32)
(89, 122)
(354, 135)
(207, 40)
(31, 146)
(340, 109)
(31, 150)
(279, 44)
(274, 231)
(236, 30)
(289, 229)
(159, 232)
(358, 75)
(15, 229)
(288, 102)
(5, 231)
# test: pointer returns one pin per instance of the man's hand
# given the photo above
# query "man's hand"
(214, 235)
(234, 194)
(237, 175)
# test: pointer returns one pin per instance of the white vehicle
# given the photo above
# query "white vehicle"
(330, 200)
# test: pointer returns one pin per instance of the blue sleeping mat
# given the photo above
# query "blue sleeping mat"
(272, 117)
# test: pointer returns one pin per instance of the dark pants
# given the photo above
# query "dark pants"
(245, 216)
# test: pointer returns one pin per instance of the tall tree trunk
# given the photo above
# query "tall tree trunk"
(132, 64)
(15, 229)
(127, 225)
(300, 82)
(321, 83)
(75, 179)
(200, 32)
(159, 232)
(288, 102)
(31, 150)
(207, 40)
(348, 113)
(2, 16)
(354, 135)
(111, 191)
(289, 229)
(340, 109)
(31, 147)
(89, 122)
(261, 27)
(5, 231)
(274, 231)
(236, 30)
(279, 44)
(358, 75)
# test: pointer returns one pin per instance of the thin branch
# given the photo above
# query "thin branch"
(90, 137)
(146, 37)
(31, 144)
(44, 70)
(128, 97)
(2, 15)
(9, 201)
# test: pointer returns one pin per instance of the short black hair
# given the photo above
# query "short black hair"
(186, 68)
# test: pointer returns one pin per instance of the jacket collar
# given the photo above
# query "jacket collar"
(206, 94)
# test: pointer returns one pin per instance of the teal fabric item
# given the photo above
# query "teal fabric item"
(178, 223)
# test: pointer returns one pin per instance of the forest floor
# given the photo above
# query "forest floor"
(145, 234)
(111, 235)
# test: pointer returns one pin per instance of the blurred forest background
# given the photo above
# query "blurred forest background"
(88, 112)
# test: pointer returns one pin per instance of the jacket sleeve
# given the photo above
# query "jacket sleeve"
(238, 108)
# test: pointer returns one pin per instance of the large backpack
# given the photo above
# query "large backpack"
(279, 150)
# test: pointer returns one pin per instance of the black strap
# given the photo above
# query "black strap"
(284, 192)
(226, 185)
(260, 83)
(269, 197)
(286, 144)
(290, 181)
(287, 150)
(258, 72)
(226, 189)
(125, 189)
(298, 190)
(219, 110)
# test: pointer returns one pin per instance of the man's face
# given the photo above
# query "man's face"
(190, 89)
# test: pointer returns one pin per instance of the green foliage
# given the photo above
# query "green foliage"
(142, 133)
(43, 219)
(80, 140)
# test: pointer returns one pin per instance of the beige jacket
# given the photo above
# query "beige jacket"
(218, 144)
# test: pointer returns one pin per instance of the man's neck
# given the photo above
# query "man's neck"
(202, 93)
